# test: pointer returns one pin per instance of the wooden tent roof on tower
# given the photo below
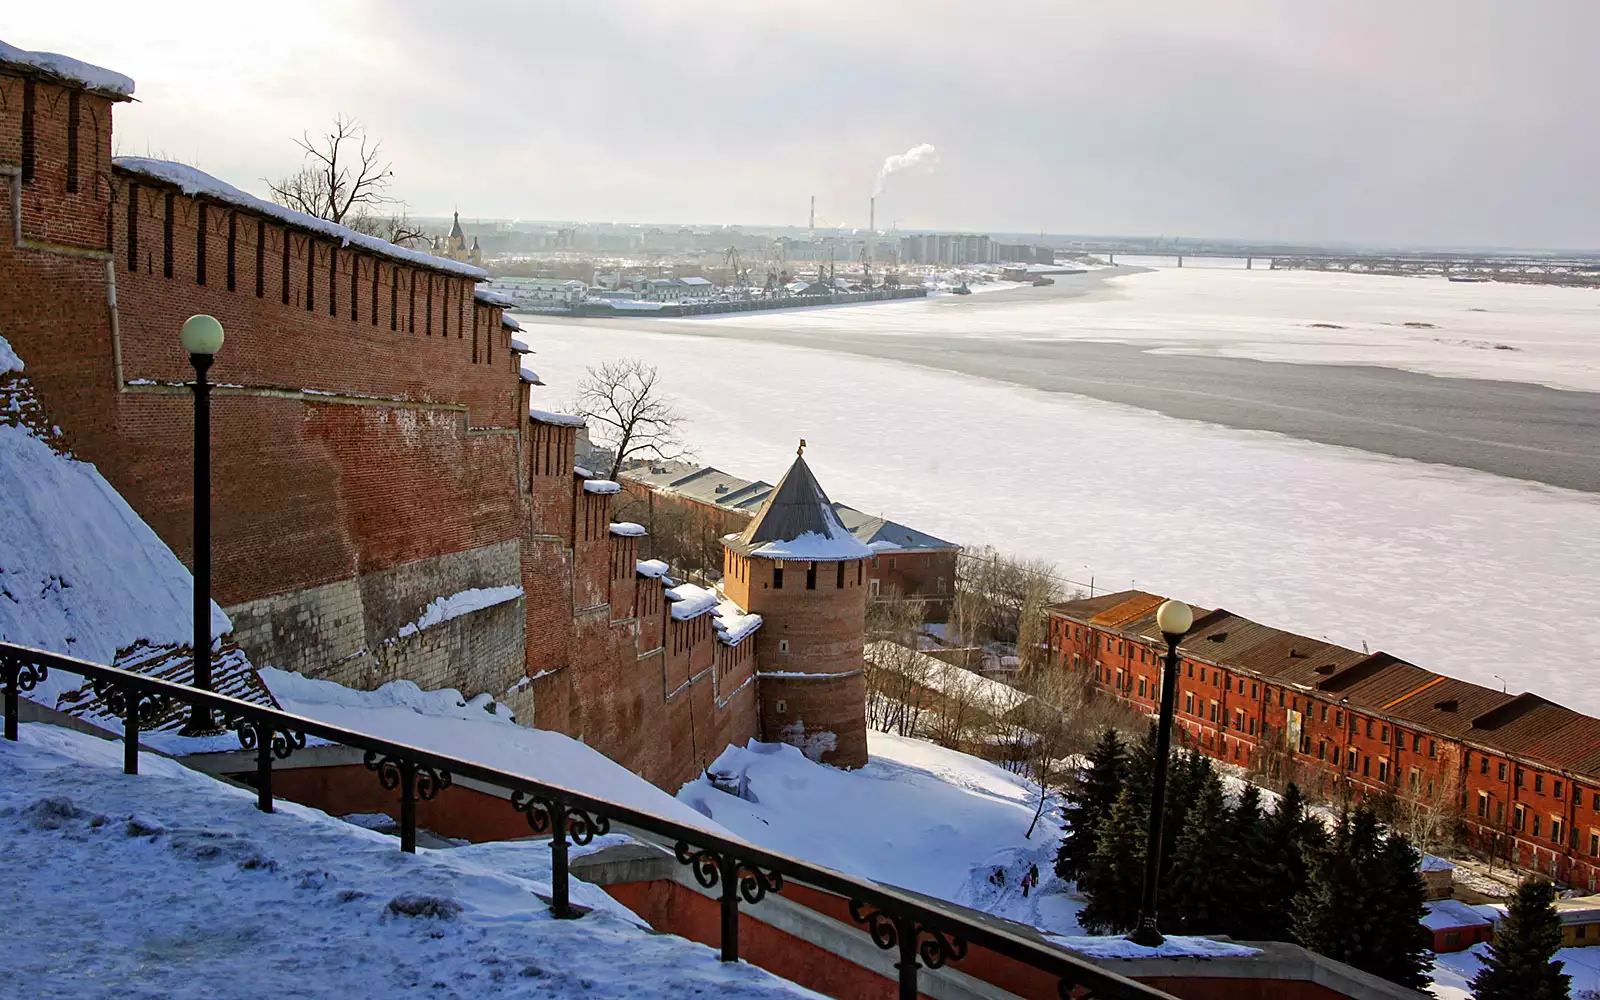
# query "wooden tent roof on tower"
(797, 521)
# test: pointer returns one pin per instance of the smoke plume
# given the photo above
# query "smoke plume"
(917, 156)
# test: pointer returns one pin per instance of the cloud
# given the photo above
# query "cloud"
(1433, 121)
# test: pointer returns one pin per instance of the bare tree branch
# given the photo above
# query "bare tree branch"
(344, 178)
(621, 398)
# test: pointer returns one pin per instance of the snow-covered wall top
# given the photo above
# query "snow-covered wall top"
(733, 624)
(690, 601)
(555, 419)
(192, 181)
(69, 69)
(490, 297)
(80, 573)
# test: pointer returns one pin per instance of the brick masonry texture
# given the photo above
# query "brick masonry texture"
(371, 451)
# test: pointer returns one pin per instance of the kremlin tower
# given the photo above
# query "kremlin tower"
(797, 567)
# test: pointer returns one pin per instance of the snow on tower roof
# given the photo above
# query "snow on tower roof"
(797, 521)
(192, 181)
(69, 70)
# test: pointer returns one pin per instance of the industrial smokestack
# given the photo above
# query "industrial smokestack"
(872, 229)
(812, 226)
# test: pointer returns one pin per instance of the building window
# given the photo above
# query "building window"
(1483, 765)
(1322, 749)
(1555, 829)
(1252, 727)
(1536, 826)
(1594, 843)
(1253, 689)
(777, 578)
(1280, 697)
(1191, 675)
(938, 587)
(1502, 770)
(783, 645)
(1555, 789)
(838, 582)
(1518, 814)
(1366, 767)
(1338, 717)
(1335, 756)
(1433, 748)
(1141, 687)
(811, 570)
(1383, 770)
(1324, 713)
(1384, 738)
(1416, 742)
(872, 587)
(1483, 804)
(1350, 760)
(1238, 720)
(1519, 777)
(1369, 729)
(1188, 702)
(1415, 780)
(1213, 711)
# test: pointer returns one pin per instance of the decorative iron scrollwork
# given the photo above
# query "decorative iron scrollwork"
(253, 733)
(28, 675)
(584, 826)
(144, 706)
(426, 781)
(933, 946)
(387, 769)
(431, 781)
(536, 809)
(706, 865)
(753, 883)
(880, 925)
(581, 826)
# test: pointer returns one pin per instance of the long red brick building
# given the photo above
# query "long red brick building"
(374, 452)
(1523, 772)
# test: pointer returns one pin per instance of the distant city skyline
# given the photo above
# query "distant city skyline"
(1429, 123)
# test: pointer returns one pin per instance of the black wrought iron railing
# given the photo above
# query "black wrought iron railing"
(924, 934)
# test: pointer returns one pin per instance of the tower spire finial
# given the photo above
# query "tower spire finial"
(800, 451)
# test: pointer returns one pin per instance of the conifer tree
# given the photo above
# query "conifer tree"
(1520, 964)
(1087, 803)
(1117, 872)
(1401, 952)
(1288, 836)
(1197, 894)
(1247, 867)
(1363, 902)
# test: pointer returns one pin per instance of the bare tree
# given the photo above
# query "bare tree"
(623, 400)
(344, 178)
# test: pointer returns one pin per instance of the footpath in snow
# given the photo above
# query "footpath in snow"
(170, 884)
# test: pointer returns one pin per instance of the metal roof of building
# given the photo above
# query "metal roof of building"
(889, 536)
(1220, 636)
(1085, 608)
(1447, 706)
(1287, 658)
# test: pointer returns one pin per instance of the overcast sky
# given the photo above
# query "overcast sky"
(1450, 122)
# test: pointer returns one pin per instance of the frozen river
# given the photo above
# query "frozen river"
(1224, 493)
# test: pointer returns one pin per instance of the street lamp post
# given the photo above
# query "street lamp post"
(202, 338)
(1174, 618)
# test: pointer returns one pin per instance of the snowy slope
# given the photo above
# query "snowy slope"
(444, 722)
(172, 885)
(1452, 972)
(80, 573)
(917, 816)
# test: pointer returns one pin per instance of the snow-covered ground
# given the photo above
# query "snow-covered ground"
(444, 722)
(172, 885)
(80, 573)
(1453, 972)
(1326, 541)
(1522, 333)
(917, 816)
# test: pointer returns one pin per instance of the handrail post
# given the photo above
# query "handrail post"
(907, 931)
(730, 908)
(560, 904)
(263, 770)
(10, 668)
(408, 807)
(130, 735)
